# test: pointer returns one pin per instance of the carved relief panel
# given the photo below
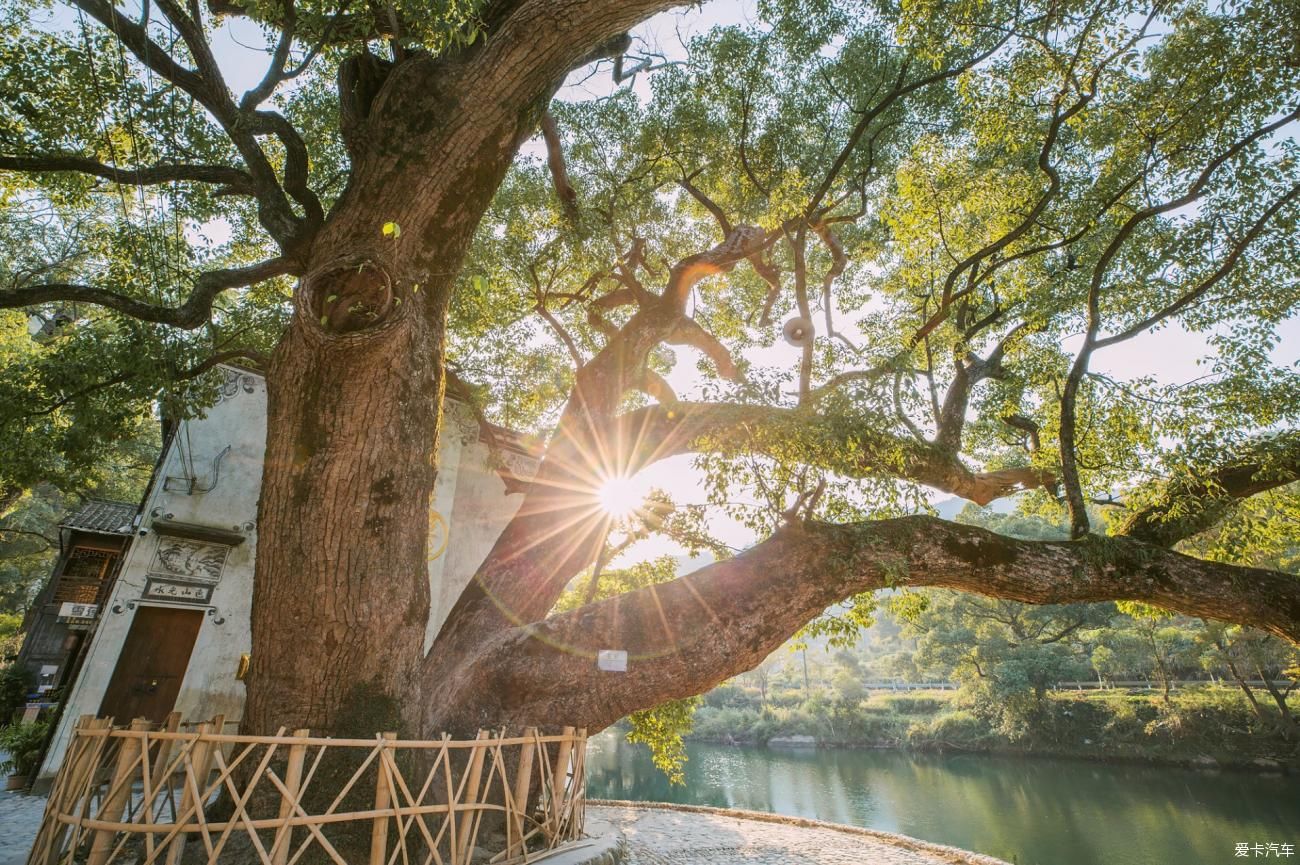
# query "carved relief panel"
(197, 561)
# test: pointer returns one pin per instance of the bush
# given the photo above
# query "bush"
(729, 696)
(913, 705)
(957, 729)
(724, 725)
(25, 743)
(786, 697)
(16, 681)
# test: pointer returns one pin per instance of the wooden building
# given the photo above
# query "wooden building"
(58, 625)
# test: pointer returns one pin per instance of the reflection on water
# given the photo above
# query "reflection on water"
(1028, 811)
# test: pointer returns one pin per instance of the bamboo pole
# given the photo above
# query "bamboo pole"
(119, 791)
(411, 744)
(558, 775)
(577, 791)
(289, 798)
(144, 814)
(450, 822)
(467, 822)
(217, 724)
(523, 783)
(383, 795)
(199, 766)
(89, 782)
(161, 773)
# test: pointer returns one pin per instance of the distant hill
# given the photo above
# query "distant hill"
(949, 508)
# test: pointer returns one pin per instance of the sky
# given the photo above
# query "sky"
(1172, 355)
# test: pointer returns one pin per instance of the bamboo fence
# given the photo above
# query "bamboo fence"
(159, 795)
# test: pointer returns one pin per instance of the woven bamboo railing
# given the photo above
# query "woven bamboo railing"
(149, 796)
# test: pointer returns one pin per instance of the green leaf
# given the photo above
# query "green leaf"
(393, 230)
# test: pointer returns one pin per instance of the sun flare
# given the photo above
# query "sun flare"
(621, 495)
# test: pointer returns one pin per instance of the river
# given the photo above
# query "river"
(1029, 811)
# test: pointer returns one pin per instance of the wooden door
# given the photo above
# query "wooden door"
(152, 664)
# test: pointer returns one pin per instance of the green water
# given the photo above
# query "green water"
(1031, 811)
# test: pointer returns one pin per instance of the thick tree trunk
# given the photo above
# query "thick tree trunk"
(340, 599)
(341, 592)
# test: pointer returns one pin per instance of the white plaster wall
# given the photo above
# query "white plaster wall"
(209, 686)
(469, 496)
(481, 510)
(450, 452)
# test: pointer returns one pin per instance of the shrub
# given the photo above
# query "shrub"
(786, 697)
(913, 705)
(958, 729)
(722, 725)
(729, 696)
(25, 743)
(16, 681)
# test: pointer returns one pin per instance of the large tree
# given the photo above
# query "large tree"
(961, 206)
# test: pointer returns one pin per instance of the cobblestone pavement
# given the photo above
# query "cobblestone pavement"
(669, 835)
(20, 817)
(655, 836)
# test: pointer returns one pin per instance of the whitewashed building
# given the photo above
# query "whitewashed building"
(173, 632)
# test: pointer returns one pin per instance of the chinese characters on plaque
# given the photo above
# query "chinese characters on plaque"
(76, 614)
(173, 590)
(70, 610)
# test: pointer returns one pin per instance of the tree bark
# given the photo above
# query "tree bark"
(341, 589)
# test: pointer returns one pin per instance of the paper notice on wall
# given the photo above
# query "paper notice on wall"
(611, 660)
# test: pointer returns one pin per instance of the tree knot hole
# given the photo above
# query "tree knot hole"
(351, 298)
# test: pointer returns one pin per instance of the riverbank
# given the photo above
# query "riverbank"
(1031, 810)
(664, 834)
(1202, 728)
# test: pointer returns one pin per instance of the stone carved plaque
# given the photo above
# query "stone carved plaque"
(235, 381)
(520, 466)
(183, 559)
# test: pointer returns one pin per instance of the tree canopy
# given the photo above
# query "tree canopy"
(954, 210)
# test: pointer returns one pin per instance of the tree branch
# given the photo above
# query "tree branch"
(564, 190)
(1199, 290)
(689, 332)
(207, 86)
(1173, 511)
(687, 635)
(1079, 523)
(832, 443)
(233, 179)
(744, 241)
(194, 312)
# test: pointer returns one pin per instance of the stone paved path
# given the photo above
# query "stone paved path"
(667, 836)
(20, 817)
(673, 836)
